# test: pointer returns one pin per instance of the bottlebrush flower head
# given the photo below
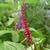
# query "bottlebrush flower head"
(27, 32)
(23, 23)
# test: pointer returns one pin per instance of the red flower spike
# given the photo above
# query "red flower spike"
(27, 32)
(23, 21)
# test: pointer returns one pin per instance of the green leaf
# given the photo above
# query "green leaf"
(11, 46)
(32, 1)
(46, 49)
(15, 37)
(11, 20)
(38, 37)
(2, 32)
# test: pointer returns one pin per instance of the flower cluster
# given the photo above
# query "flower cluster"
(23, 24)
(18, 25)
(27, 32)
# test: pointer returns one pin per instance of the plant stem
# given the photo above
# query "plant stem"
(23, 40)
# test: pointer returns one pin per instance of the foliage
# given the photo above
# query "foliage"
(13, 39)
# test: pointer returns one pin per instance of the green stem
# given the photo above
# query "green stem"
(23, 40)
(37, 47)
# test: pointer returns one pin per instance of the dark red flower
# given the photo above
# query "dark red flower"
(27, 32)
(24, 24)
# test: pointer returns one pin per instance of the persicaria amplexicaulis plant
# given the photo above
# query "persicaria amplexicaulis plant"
(23, 23)
(27, 32)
